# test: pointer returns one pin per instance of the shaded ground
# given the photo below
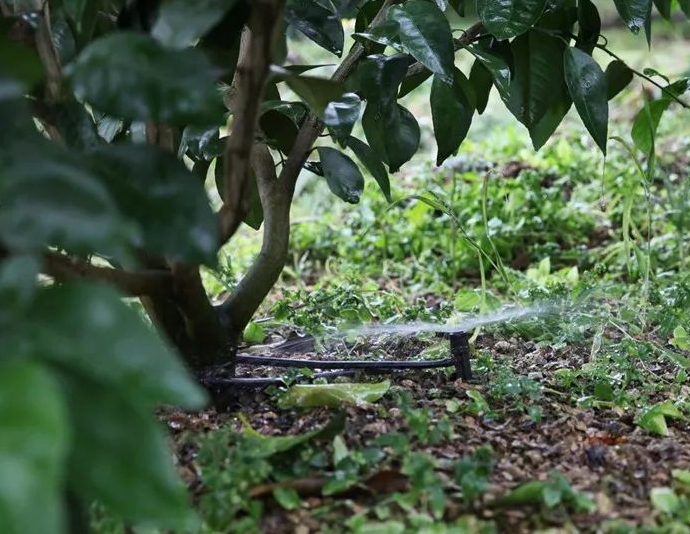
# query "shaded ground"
(599, 450)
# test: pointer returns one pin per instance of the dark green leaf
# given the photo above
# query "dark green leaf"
(157, 193)
(386, 33)
(637, 14)
(497, 66)
(316, 92)
(180, 23)
(587, 85)
(372, 162)
(391, 130)
(451, 111)
(255, 215)
(76, 125)
(481, 81)
(618, 77)
(538, 64)
(589, 23)
(341, 115)
(20, 62)
(65, 321)
(685, 6)
(380, 76)
(646, 124)
(664, 7)
(506, 19)
(144, 81)
(51, 198)
(201, 143)
(410, 83)
(317, 23)
(280, 122)
(33, 448)
(425, 32)
(342, 174)
(541, 131)
(119, 454)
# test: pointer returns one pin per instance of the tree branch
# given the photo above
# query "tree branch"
(250, 79)
(276, 199)
(136, 284)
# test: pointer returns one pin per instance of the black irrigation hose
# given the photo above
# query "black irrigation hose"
(460, 359)
(271, 361)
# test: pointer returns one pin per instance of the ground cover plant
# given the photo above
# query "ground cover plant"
(138, 138)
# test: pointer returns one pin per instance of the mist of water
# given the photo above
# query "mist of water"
(514, 313)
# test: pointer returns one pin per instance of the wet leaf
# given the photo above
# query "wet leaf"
(342, 174)
(588, 88)
(425, 33)
(509, 19)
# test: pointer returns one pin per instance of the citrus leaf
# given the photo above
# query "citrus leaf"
(145, 81)
(317, 23)
(372, 162)
(33, 448)
(618, 77)
(589, 91)
(342, 174)
(509, 18)
(538, 70)
(451, 111)
(158, 195)
(180, 23)
(425, 33)
(637, 15)
(341, 115)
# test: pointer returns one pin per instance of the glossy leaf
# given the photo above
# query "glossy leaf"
(391, 131)
(410, 83)
(589, 23)
(451, 110)
(508, 18)
(538, 64)
(341, 115)
(33, 447)
(378, 77)
(342, 174)
(387, 33)
(158, 195)
(120, 456)
(317, 23)
(637, 15)
(541, 131)
(372, 162)
(481, 82)
(618, 77)
(333, 395)
(145, 81)
(180, 23)
(496, 65)
(589, 91)
(425, 33)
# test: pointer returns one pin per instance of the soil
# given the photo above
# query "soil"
(600, 451)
